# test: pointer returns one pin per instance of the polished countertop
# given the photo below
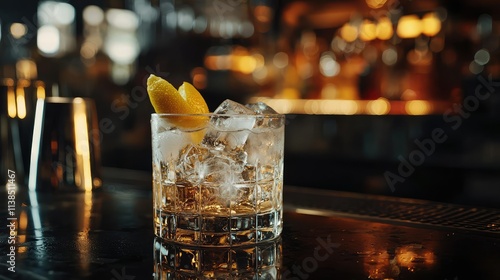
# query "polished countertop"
(108, 234)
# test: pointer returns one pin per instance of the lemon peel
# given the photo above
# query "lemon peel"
(186, 100)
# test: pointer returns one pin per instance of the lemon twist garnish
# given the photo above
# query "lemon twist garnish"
(168, 100)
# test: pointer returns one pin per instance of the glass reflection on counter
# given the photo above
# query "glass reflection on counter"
(412, 258)
(83, 241)
(173, 261)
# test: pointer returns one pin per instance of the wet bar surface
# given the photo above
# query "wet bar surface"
(108, 234)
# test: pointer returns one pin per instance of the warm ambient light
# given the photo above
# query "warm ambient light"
(375, 4)
(240, 60)
(349, 32)
(11, 99)
(431, 24)
(418, 107)
(409, 26)
(40, 90)
(378, 107)
(26, 69)
(18, 30)
(384, 29)
(340, 107)
(21, 101)
(368, 31)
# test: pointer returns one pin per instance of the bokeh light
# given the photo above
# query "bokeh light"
(409, 26)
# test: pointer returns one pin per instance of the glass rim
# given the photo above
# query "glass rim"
(277, 115)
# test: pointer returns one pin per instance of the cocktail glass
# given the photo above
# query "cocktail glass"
(218, 178)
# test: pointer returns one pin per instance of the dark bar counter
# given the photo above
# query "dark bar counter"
(108, 234)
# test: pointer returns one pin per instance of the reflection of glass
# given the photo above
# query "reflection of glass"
(173, 261)
(219, 183)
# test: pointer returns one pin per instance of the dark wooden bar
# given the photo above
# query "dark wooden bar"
(327, 235)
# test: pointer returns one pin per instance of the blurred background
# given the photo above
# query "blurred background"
(390, 97)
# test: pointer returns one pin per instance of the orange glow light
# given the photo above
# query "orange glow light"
(384, 29)
(409, 26)
(349, 32)
(368, 31)
(431, 25)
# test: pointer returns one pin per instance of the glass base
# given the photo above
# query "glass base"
(218, 231)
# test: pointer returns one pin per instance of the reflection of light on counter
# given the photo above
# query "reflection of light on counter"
(305, 211)
(21, 237)
(378, 265)
(378, 107)
(83, 241)
(414, 255)
(37, 222)
(409, 26)
(417, 107)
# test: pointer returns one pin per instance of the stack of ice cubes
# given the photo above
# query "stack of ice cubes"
(227, 156)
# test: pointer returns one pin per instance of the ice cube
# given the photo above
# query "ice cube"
(191, 165)
(229, 126)
(169, 143)
(234, 108)
(271, 118)
(261, 108)
(220, 172)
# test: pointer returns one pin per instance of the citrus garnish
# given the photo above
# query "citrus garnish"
(168, 100)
